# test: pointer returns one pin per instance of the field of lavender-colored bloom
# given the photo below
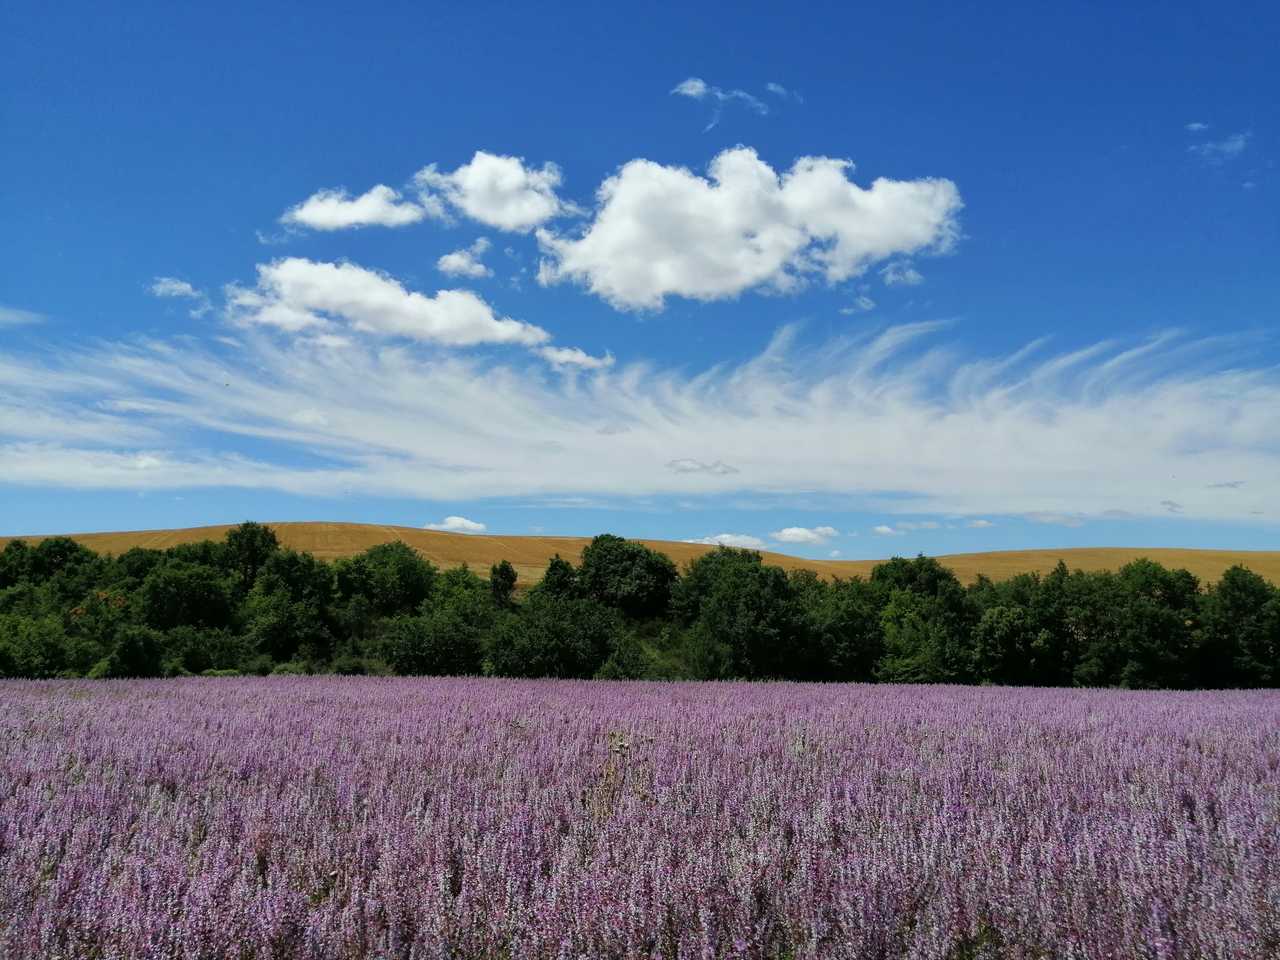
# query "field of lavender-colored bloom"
(361, 817)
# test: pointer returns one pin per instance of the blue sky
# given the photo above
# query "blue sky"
(842, 280)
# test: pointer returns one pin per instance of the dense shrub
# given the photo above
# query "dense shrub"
(249, 606)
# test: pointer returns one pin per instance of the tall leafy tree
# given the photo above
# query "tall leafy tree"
(249, 547)
(502, 583)
(392, 578)
(627, 576)
(1239, 641)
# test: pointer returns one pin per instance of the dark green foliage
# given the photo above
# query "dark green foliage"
(702, 575)
(134, 564)
(555, 637)
(59, 555)
(923, 642)
(447, 637)
(136, 653)
(248, 606)
(1001, 649)
(502, 583)
(627, 576)
(560, 580)
(33, 647)
(630, 660)
(15, 564)
(193, 650)
(921, 575)
(249, 546)
(1239, 643)
(392, 578)
(442, 643)
(286, 612)
(179, 593)
(206, 553)
(927, 620)
(843, 620)
(750, 617)
(281, 627)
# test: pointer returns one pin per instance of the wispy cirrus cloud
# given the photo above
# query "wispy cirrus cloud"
(16, 317)
(173, 288)
(901, 273)
(689, 465)
(778, 90)
(1219, 151)
(893, 422)
(696, 88)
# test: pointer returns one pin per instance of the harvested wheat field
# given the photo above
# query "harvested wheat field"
(530, 555)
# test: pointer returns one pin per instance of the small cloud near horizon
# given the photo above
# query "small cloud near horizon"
(741, 540)
(456, 525)
(810, 535)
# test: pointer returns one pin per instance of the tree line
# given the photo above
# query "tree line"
(246, 605)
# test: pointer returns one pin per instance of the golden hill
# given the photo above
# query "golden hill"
(529, 555)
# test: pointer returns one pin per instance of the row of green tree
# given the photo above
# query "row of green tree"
(247, 605)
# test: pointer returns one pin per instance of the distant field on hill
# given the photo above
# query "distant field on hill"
(530, 555)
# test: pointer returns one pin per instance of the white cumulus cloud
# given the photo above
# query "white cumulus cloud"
(466, 262)
(337, 210)
(297, 294)
(741, 540)
(456, 525)
(811, 535)
(979, 524)
(885, 530)
(661, 231)
(497, 190)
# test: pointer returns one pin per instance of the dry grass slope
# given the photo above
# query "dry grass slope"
(530, 555)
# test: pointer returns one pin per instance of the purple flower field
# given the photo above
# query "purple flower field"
(361, 817)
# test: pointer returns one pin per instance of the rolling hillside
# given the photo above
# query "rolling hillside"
(530, 555)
